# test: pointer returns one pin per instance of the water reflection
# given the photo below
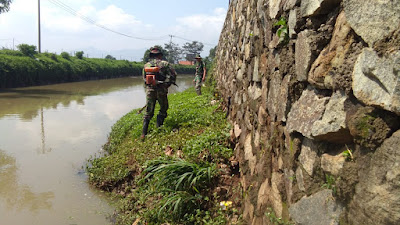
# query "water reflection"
(43, 136)
(47, 134)
(18, 196)
(26, 103)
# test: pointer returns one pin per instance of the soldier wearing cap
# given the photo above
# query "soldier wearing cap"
(158, 75)
(200, 75)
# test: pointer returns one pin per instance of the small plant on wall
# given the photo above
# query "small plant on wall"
(275, 220)
(283, 31)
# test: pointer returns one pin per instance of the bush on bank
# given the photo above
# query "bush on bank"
(171, 176)
(19, 70)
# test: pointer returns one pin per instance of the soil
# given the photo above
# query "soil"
(370, 126)
(389, 44)
(342, 75)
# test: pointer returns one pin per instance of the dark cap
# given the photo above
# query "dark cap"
(197, 56)
(155, 50)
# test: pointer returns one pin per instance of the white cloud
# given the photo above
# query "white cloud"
(202, 27)
(114, 17)
(201, 21)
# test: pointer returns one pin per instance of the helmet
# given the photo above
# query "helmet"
(155, 50)
(198, 56)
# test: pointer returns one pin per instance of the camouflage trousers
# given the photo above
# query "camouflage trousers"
(159, 94)
(198, 83)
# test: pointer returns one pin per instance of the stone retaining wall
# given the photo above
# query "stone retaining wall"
(315, 108)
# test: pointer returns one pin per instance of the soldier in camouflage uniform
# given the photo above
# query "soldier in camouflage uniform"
(162, 76)
(200, 74)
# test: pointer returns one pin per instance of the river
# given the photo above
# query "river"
(47, 134)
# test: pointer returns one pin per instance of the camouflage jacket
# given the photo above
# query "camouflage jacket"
(200, 66)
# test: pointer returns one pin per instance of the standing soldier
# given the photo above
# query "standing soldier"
(200, 75)
(158, 75)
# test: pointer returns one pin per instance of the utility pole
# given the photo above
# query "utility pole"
(170, 45)
(39, 47)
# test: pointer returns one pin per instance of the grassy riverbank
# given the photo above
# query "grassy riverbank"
(182, 171)
(19, 70)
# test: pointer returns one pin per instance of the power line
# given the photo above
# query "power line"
(88, 20)
(72, 11)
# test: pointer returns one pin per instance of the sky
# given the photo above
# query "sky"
(123, 29)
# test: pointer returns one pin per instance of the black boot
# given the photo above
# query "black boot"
(145, 128)
(160, 120)
(198, 91)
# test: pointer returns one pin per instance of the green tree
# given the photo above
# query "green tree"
(174, 52)
(65, 55)
(79, 54)
(210, 58)
(28, 50)
(192, 49)
(146, 56)
(110, 57)
(5, 5)
(211, 55)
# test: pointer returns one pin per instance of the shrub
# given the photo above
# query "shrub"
(110, 57)
(65, 55)
(79, 55)
(27, 50)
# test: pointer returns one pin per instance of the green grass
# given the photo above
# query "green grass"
(162, 188)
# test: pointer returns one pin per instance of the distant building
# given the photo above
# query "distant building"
(186, 63)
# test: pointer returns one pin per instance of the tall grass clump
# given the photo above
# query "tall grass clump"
(181, 185)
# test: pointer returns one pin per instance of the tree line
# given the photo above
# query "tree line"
(26, 67)
(173, 53)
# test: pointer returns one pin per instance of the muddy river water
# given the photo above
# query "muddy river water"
(47, 133)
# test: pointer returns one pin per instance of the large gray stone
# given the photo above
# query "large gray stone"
(274, 8)
(300, 179)
(304, 54)
(240, 73)
(305, 112)
(308, 155)
(376, 80)
(248, 154)
(290, 4)
(237, 130)
(317, 7)
(318, 209)
(273, 95)
(282, 100)
(278, 97)
(373, 19)
(332, 126)
(292, 21)
(254, 92)
(377, 195)
(256, 74)
(263, 194)
(275, 195)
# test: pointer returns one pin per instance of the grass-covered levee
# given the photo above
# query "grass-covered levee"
(182, 173)
(20, 70)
